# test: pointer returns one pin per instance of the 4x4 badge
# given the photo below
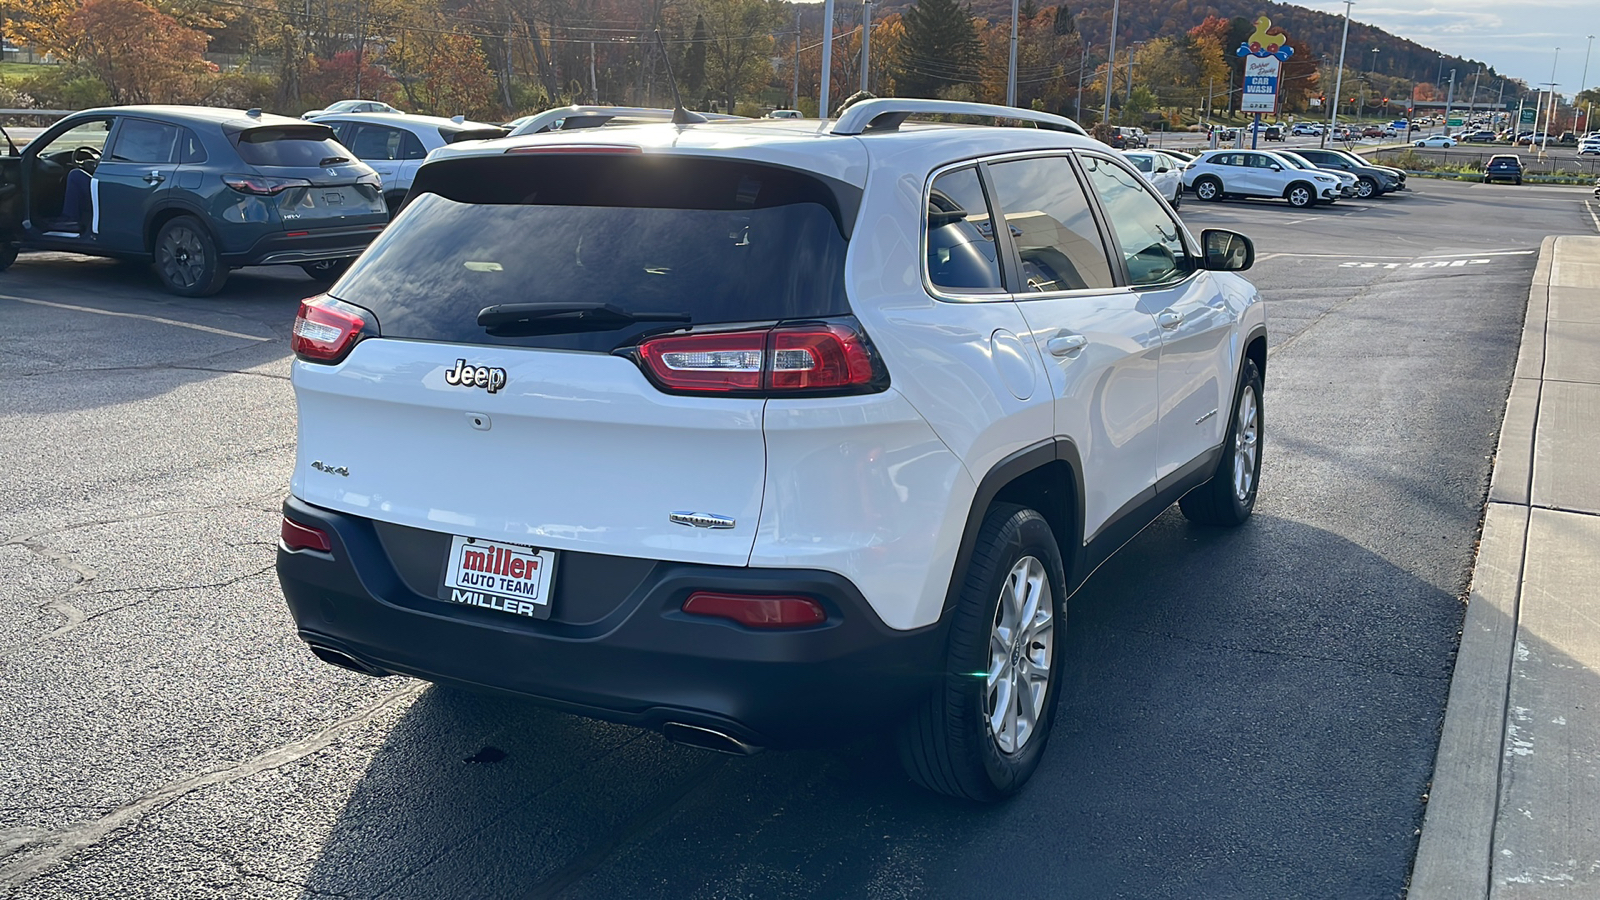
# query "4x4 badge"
(464, 375)
(701, 520)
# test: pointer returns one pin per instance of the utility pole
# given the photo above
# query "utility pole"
(1448, 100)
(1083, 57)
(827, 57)
(1111, 65)
(1550, 116)
(594, 89)
(1129, 96)
(866, 39)
(1338, 81)
(794, 99)
(1011, 66)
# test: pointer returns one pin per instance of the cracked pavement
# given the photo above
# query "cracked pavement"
(1250, 713)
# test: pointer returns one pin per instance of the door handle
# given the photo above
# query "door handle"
(154, 177)
(1169, 318)
(1066, 343)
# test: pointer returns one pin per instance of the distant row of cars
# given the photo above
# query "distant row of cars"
(1303, 176)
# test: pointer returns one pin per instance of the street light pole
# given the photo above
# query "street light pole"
(1011, 68)
(1584, 81)
(1550, 115)
(1111, 66)
(866, 39)
(1338, 81)
(1472, 105)
(827, 57)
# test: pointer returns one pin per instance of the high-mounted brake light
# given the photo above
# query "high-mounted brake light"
(263, 185)
(326, 329)
(296, 536)
(586, 149)
(817, 357)
(757, 610)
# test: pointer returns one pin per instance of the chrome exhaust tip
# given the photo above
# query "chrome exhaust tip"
(707, 739)
(345, 661)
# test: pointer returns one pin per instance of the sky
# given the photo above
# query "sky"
(1518, 37)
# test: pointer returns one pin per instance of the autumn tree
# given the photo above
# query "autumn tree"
(939, 48)
(142, 56)
(738, 46)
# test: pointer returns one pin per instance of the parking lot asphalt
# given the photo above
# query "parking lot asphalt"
(1250, 713)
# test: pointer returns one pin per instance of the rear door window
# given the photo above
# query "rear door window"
(144, 141)
(378, 142)
(1051, 225)
(959, 235)
(699, 240)
(289, 146)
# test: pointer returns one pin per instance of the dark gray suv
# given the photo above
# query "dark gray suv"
(197, 191)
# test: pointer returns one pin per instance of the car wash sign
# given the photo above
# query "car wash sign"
(1264, 54)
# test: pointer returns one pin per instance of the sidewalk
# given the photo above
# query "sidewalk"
(1514, 810)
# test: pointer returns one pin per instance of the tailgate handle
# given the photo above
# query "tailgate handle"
(154, 176)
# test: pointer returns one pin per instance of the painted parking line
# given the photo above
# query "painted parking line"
(1426, 264)
(1593, 215)
(192, 326)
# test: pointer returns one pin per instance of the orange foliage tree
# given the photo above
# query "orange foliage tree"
(142, 55)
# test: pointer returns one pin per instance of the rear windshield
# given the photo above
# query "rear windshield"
(716, 240)
(291, 146)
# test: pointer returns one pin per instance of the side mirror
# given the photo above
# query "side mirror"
(1277, 168)
(1163, 169)
(1227, 251)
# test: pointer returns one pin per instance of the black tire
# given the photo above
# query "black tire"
(186, 259)
(947, 744)
(1208, 188)
(1366, 188)
(327, 271)
(1218, 501)
(1177, 198)
(8, 255)
(394, 202)
(1300, 195)
(1519, 181)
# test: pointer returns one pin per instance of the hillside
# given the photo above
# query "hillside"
(1319, 32)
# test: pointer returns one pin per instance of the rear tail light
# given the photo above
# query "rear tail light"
(326, 329)
(263, 185)
(296, 536)
(812, 358)
(757, 611)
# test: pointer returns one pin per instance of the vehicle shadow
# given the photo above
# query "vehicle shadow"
(87, 333)
(1247, 713)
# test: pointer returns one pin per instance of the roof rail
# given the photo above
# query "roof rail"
(886, 114)
(596, 116)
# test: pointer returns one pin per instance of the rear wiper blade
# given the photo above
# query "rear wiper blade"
(518, 319)
(331, 160)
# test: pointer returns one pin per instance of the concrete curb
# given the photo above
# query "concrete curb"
(1454, 854)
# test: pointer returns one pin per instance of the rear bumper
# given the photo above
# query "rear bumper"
(306, 245)
(620, 650)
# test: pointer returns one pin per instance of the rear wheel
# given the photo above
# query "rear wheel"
(327, 271)
(981, 731)
(1299, 195)
(1208, 189)
(8, 255)
(186, 259)
(1230, 496)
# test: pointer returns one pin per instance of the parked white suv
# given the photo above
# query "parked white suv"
(1218, 174)
(759, 433)
(395, 144)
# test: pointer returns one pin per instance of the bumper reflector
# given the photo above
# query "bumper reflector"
(756, 610)
(303, 537)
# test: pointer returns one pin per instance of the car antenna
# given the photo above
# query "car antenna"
(680, 116)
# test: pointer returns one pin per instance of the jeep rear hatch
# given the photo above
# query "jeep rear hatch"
(546, 274)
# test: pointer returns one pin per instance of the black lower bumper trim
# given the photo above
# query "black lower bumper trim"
(646, 663)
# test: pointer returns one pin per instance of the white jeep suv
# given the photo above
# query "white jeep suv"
(758, 433)
(1218, 174)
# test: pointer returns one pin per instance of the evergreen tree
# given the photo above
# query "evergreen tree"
(694, 64)
(938, 50)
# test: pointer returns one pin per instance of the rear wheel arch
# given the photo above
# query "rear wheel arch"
(1044, 477)
(166, 214)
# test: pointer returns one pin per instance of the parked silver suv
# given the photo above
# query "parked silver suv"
(762, 432)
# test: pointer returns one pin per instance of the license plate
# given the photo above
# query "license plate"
(511, 578)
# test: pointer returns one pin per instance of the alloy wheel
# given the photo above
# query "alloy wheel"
(1021, 647)
(183, 257)
(1246, 443)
